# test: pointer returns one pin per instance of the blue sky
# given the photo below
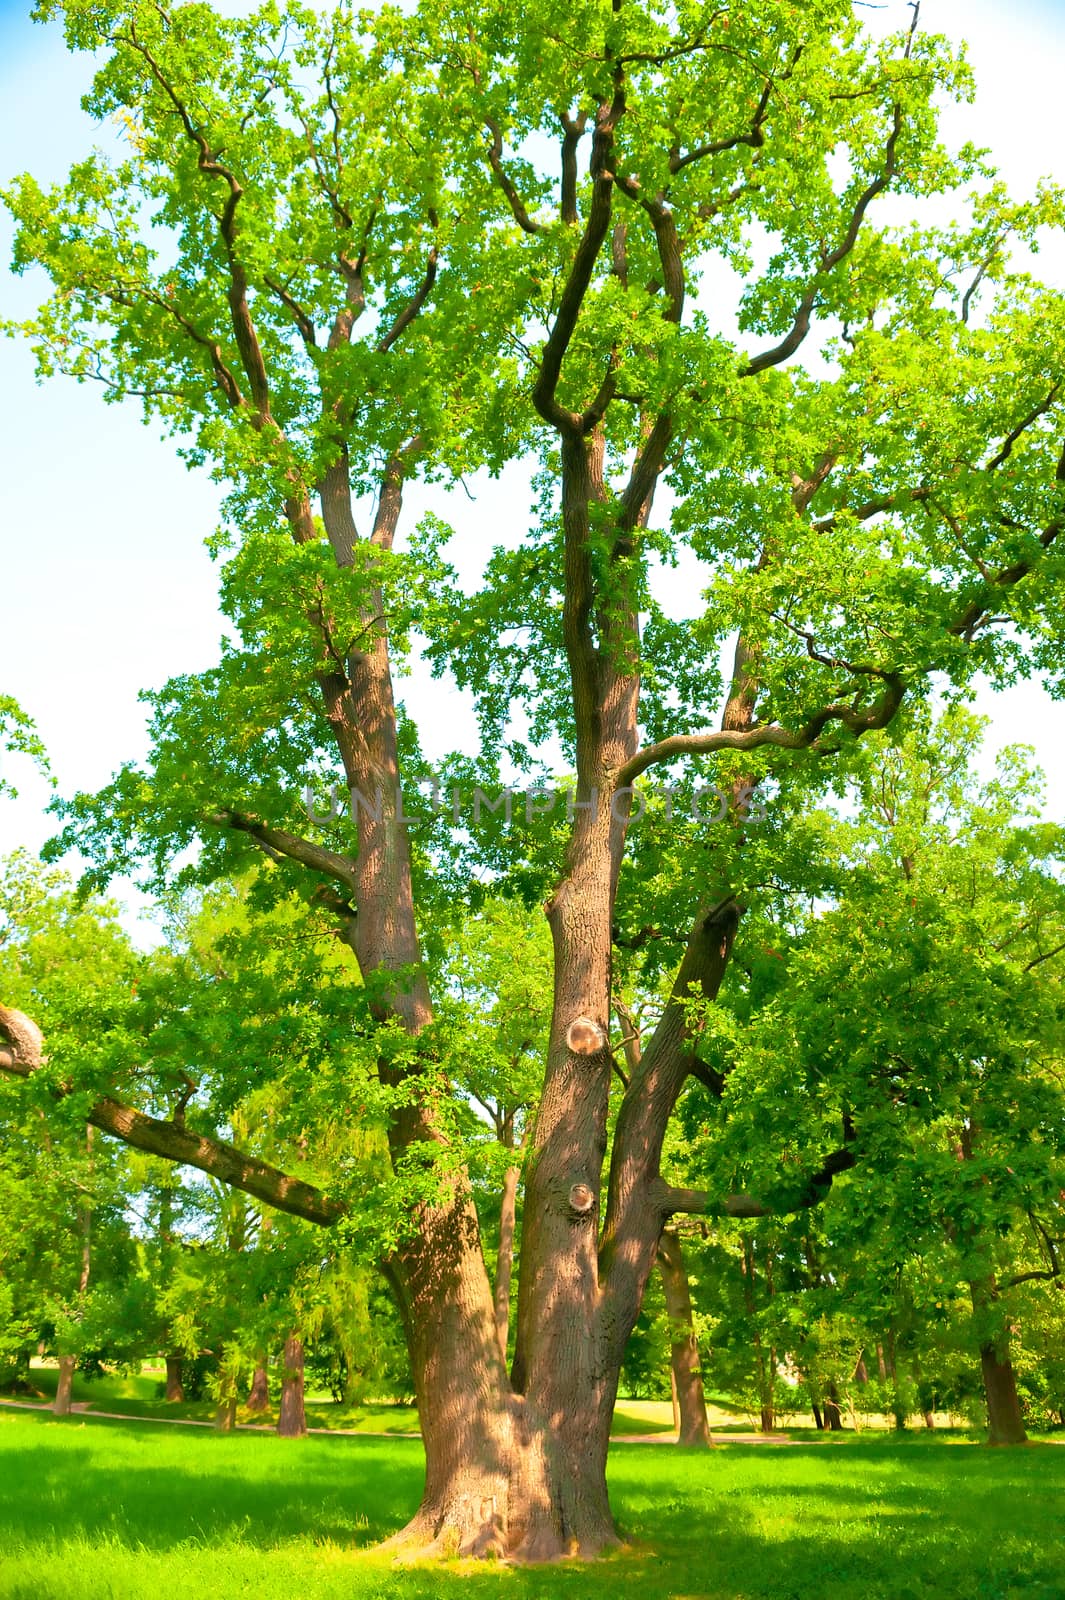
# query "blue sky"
(106, 587)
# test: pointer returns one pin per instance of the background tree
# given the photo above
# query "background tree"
(938, 965)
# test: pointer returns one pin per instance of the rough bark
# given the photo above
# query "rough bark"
(291, 1416)
(259, 1393)
(225, 1417)
(1005, 1420)
(175, 1387)
(61, 1403)
(693, 1427)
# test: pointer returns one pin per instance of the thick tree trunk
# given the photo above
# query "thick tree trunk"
(175, 1387)
(259, 1393)
(291, 1416)
(61, 1403)
(1004, 1420)
(693, 1427)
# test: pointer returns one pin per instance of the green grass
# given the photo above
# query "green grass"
(109, 1511)
(136, 1396)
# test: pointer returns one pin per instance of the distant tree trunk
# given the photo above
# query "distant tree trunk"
(832, 1412)
(175, 1387)
(687, 1382)
(505, 1255)
(764, 1365)
(61, 1403)
(819, 1421)
(861, 1371)
(225, 1417)
(16, 1377)
(68, 1362)
(881, 1364)
(291, 1417)
(259, 1393)
(929, 1421)
(1005, 1422)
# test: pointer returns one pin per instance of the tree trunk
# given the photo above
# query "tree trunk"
(764, 1366)
(819, 1421)
(291, 1418)
(1004, 1419)
(833, 1414)
(505, 1255)
(693, 1427)
(225, 1417)
(15, 1378)
(175, 1387)
(259, 1393)
(61, 1403)
(67, 1362)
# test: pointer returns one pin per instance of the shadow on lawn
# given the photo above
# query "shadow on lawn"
(894, 1521)
(153, 1496)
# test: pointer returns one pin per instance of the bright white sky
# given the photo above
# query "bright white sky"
(105, 586)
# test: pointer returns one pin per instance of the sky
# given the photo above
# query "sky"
(105, 585)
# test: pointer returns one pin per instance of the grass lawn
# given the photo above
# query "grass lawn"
(111, 1511)
(135, 1395)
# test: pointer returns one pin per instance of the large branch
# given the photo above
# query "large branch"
(808, 1191)
(21, 1055)
(298, 849)
(770, 734)
(596, 229)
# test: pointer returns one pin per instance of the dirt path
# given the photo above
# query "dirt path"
(82, 1409)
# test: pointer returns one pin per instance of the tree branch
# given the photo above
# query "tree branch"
(514, 200)
(414, 304)
(291, 845)
(580, 273)
(810, 1191)
(829, 259)
(21, 1056)
(681, 744)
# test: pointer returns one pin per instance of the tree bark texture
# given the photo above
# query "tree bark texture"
(693, 1428)
(259, 1393)
(175, 1387)
(61, 1404)
(291, 1416)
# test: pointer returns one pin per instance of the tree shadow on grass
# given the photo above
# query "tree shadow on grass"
(127, 1483)
(886, 1522)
